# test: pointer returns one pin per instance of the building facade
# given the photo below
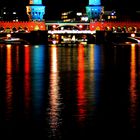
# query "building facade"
(35, 10)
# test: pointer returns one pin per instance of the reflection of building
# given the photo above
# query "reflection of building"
(35, 10)
(71, 16)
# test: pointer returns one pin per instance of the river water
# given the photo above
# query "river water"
(69, 92)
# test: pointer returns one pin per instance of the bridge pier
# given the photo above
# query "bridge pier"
(103, 36)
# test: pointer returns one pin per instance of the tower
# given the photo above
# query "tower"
(35, 10)
(94, 10)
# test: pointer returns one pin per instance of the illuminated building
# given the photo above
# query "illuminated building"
(110, 15)
(35, 10)
(94, 10)
(72, 16)
(68, 16)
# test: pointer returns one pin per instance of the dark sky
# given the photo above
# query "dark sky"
(55, 7)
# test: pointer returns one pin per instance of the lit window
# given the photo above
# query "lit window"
(79, 14)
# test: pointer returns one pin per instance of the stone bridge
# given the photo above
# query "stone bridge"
(115, 26)
(118, 26)
(25, 25)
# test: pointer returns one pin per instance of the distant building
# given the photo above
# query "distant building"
(72, 16)
(110, 15)
(9, 14)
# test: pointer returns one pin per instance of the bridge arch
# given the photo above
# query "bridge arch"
(7, 29)
(131, 29)
(70, 26)
(14, 29)
(1, 29)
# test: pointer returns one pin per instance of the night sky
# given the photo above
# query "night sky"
(55, 7)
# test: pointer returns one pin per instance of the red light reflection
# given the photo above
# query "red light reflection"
(27, 76)
(81, 101)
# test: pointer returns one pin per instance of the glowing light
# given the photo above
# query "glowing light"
(132, 35)
(54, 26)
(133, 95)
(35, 1)
(8, 35)
(80, 26)
(54, 42)
(54, 96)
(71, 32)
(94, 2)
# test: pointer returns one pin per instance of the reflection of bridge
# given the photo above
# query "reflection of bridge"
(122, 26)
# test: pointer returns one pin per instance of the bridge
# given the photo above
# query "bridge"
(55, 26)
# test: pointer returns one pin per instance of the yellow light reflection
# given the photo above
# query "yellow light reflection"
(133, 96)
(54, 98)
(9, 65)
(9, 91)
(17, 58)
(54, 59)
(91, 58)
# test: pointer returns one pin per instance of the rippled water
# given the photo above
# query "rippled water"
(69, 92)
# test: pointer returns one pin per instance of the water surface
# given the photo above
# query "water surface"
(69, 92)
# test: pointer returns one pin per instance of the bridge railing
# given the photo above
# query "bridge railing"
(61, 21)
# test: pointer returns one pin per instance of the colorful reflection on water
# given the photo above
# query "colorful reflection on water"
(55, 101)
(61, 92)
(133, 92)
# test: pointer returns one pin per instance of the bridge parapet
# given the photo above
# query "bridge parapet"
(31, 25)
(97, 25)
(114, 24)
(92, 26)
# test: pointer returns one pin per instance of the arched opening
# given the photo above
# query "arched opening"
(8, 30)
(124, 29)
(130, 29)
(26, 29)
(119, 29)
(107, 28)
(1, 29)
(14, 29)
(68, 27)
(113, 29)
(20, 29)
